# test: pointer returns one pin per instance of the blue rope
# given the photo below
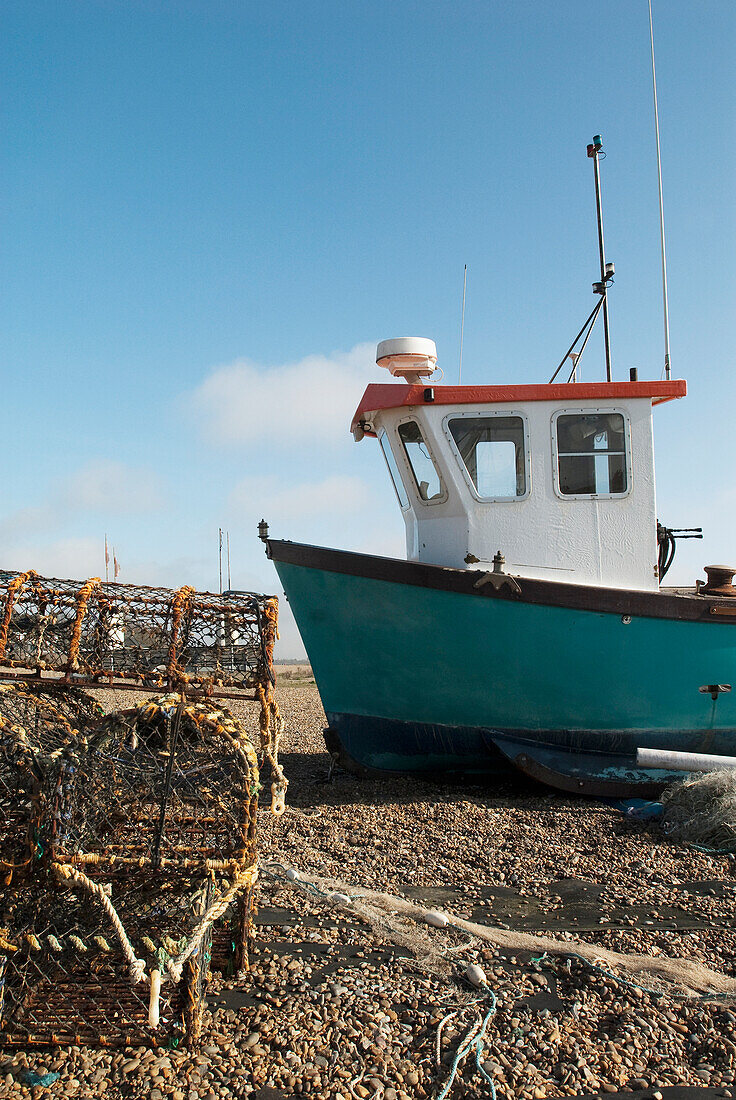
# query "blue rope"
(30, 1078)
(475, 1044)
(711, 851)
(643, 988)
(615, 977)
(308, 887)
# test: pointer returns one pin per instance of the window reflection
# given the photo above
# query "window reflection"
(591, 454)
(393, 471)
(420, 460)
(492, 448)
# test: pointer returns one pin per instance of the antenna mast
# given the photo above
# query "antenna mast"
(594, 152)
(462, 326)
(667, 369)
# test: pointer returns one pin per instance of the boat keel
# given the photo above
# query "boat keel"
(596, 763)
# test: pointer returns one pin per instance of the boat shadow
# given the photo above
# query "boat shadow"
(315, 781)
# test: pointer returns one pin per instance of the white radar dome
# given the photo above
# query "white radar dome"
(408, 357)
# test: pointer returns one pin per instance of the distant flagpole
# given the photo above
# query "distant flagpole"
(229, 585)
(107, 561)
(115, 565)
(667, 369)
(219, 531)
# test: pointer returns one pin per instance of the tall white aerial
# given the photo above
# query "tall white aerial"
(667, 368)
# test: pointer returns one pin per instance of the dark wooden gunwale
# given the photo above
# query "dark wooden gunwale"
(578, 597)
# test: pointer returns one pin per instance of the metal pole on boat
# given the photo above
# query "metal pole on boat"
(667, 368)
(594, 152)
(462, 325)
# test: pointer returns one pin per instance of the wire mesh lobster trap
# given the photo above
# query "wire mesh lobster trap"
(34, 729)
(128, 857)
(143, 852)
(152, 637)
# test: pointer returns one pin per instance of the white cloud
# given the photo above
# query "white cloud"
(312, 400)
(67, 559)
(109, 488)
(114, 487)
(335, 495)
(24, 522)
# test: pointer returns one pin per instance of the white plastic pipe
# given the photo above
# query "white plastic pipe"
(683, 761)
(154, 997)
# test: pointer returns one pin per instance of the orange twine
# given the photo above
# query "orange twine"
(271, 612)
(82, 599)
(42, 704)
(13, 589)
(181, 599)
(269, 709)
(271, 726)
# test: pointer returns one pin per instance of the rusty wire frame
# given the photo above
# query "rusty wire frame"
(142, 820)
(153, 807)
(125, 635)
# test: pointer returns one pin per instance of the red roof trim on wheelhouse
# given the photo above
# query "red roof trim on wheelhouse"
(394, 396)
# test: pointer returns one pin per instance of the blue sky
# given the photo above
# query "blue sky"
(211, 211)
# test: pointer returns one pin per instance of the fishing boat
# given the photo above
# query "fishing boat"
(529, 625)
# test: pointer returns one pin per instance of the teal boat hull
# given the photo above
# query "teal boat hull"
(423, 669)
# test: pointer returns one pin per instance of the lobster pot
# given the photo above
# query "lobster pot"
(34, 729)
(151, 870)
(68, 979)
(169, 783)
(157, 637)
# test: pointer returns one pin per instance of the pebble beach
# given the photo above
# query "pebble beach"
(338, 1007)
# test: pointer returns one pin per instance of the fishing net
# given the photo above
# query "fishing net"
(154, 637)
(701, 809)
(134, 865)
(390, 916)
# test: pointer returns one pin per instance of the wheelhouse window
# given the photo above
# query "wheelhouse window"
(425, 472)
(591, 454)
(492, 450)
(393, 470)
